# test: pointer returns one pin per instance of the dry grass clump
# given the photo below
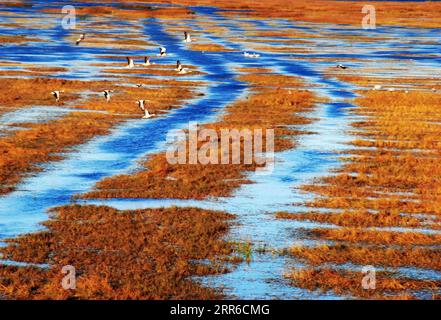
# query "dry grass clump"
(156, 70)
(370, 81)
(357, 218)
(321, 11)
(141, 254)
(253, 70)
(123, 100)
(36, 143)
(22, 151)
(131, 12)
(266, 108)
(369, 255)
(17, 39)
(16, 92)
(349, 283)
(111, 40)
(46, 70)
(208, 47)
(361, 235)
(160, 179)
(396, 182)
(24, 92)
(278, 48)
(271, 80)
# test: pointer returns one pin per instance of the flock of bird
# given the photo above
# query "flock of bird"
(179, 68)
(131, 64)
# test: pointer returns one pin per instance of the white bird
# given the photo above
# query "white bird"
(130, 63)
(251, 55)
(184, 71)
(141, 104)
(81, 38)
(391, 89)
(181, 69)
(162, 52)
(178, 65)
(377, 87)
(147, 61)
(187, 37)
(341, 66)
(57, 94)
(107, 94)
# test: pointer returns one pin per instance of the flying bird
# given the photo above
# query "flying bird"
(178, 65)
(81, 38)
(130, 63)
(141, 104)
(147, 61)
(139, 85)
(187, 37)
(180, 68)
(57, 94)
(162, 52)
(107, 94)
(251, 55)
(184, 71)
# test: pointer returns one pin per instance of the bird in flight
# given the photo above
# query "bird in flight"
(162, 52)
(251, 55)
(57, 94)
(81, 38)
(130, 63)
(147, 61)
(178, 65)
(141, 104)
(187, 37)
(107, 94)
(180, 68)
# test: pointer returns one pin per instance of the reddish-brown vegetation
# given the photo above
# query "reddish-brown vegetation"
(396, 182)
(321, 11)
(22, 150)
(142, 254)
(350, 283)
(266, 108)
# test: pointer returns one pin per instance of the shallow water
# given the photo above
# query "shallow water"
(254, 204)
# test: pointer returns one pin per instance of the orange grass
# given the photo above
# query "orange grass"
(356, 218)
(363, 255)
(377, 236)
(267, 108)
(208, 47)
(421, 14)
(37, 143)
(141, 254)
(398, 174)
(26, 148)
(17, 39)
(12, 91)
(349, 283)
(370, 81)
(131, 12)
